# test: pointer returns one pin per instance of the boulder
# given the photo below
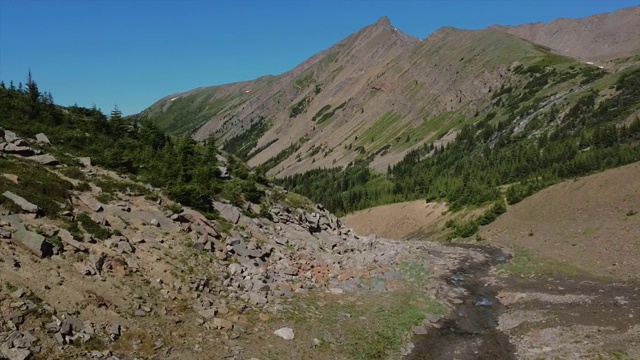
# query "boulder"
(228, 212)
(208, 313)
(45, 159)
(84, 269)
(33, 242)
(68, 239)
(11, 177)
(235, 269)
(285, 333)
(25, 205)
(42, 139)
(115, 331)
(85, 161)
(14, 353)
(91, 202)
(224, 172)
(19, 150)
(10, 136)
(123, 247)
(222, 323)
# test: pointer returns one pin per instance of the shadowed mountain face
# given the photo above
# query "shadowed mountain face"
(381, 93)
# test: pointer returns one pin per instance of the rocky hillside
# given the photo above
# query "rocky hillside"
(380, 93)
(599, 38)
(120, 271)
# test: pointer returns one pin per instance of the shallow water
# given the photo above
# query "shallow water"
(469, 331)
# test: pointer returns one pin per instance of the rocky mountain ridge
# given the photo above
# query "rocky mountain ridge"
(599, 38)
(380, 93)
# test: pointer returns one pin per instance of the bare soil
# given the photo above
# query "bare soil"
(397, 221)
(592, 222)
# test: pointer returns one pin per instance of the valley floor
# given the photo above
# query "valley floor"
(571, 290)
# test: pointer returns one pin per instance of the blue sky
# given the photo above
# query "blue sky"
(134, 52)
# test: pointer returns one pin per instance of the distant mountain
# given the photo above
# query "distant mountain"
(380, 93)
(598, 38)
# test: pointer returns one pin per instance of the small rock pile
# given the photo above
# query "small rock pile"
(11, 144)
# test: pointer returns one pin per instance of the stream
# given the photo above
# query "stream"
(469, 332)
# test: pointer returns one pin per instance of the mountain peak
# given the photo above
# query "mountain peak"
(383, 21)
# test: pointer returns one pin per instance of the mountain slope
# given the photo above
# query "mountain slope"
(597, 38)
(379, 94)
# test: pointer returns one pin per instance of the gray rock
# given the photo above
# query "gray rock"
(42, 139)
(155, 222)
(85, 161)
(5, 234)
(91, 202)
(19, 150)
(223, 160)
(256, 298)
(33, 242)
(60, 338)
(68, 239)
(97, 261)
(84, 269)
(123, 247)
(235, 269)
(224, 172)
(232, 241)
(25, 205)
(222, 323)
(285, 333)
(18, 293)
(228, 212)
(115, 330)
(208, 313)
(13, 353)
(419, 330)
(10, 136)
(16, 317)
(45, 159)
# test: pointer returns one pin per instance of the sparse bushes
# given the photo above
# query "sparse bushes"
(92, 227)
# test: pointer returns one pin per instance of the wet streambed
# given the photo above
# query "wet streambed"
(469, 331)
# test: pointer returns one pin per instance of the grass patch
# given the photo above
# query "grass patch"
(38, 185)
(92, 227)
(382, 132)
(298, 201)
(74, 172)
(106, 198)
(524, 262)
(111, 186)
(361, 326)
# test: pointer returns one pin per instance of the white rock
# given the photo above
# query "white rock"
(285, 333)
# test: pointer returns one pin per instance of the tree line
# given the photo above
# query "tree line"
(187, 170)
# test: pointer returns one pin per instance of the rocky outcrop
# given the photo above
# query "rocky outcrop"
(45, 159)
(33, 242)
(12, 144)
(42, 139)
(21, 202)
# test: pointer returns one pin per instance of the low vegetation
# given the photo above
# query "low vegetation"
(490, 156)
(187, 170)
